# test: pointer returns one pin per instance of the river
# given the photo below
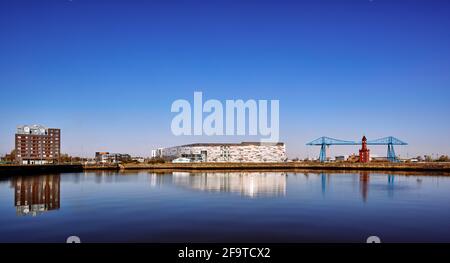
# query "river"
(306, 206)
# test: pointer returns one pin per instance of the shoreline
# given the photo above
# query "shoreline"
(288, 166)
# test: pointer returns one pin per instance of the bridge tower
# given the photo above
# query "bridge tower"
(390, 142)
(325, 142)
(391, 153)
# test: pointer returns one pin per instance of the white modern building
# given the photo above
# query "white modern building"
(156, 153)
(181, 160)
(228, 152)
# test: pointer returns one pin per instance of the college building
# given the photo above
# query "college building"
(227, 152)
(37, 144)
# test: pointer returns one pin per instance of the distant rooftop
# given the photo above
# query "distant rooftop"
(32, 129)
(230, 144)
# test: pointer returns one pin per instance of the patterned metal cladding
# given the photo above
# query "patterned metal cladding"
(231, 152)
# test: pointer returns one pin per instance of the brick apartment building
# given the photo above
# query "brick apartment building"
(37, 144)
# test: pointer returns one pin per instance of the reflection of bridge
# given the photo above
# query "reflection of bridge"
(325, 142)
(249, 184)
(364, 181)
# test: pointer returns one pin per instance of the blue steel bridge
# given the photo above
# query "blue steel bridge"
(325, 142)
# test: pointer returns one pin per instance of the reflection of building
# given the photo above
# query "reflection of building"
(250, 184)
(228, 152)
(37, 144)
(156, 179)
(106, 157)
(37, 194)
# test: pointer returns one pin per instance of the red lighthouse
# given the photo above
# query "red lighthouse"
(364, 155)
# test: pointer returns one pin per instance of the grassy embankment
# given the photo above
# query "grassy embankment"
(342, 166)
(431, 166)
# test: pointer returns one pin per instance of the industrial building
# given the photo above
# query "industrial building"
(114, 158)
(228, 152)
(37, 144)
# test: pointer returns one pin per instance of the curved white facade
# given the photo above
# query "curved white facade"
(229, 152)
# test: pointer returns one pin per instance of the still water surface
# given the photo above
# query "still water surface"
(225, 207)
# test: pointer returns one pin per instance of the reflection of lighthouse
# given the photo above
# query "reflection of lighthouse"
(364, 184)
(364, 152)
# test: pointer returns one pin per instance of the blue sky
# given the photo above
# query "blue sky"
(107, 72)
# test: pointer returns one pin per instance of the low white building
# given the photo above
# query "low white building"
(340, 158)
(228, 152)
(181, 160)
(138, 159)
(106, 157)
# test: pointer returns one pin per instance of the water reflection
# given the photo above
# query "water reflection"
(324, 182)
(248, 184)
(391, 178)
(34, 195)
(364, 184)
(37, 194)
(363, 179)
(157, 180)
(161, 206)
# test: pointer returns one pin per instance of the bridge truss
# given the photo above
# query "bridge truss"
(325, 142)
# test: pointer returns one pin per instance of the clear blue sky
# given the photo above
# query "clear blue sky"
(106, 72)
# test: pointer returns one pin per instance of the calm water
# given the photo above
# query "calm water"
(225, 207)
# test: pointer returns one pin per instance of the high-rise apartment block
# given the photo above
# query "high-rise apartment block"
(37, 144)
